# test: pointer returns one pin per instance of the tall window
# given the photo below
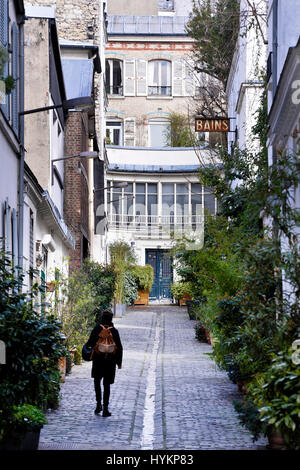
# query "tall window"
(114, 76)
(182, 199)
(114, 134)
(159, 131)
(159, 78)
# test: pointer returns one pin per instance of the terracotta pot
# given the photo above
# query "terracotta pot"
(241, 385)
(276, 441)
(51, 286)
(184, 298)
(207, 336)
(62, 364)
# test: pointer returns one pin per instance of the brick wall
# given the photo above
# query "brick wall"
(76, 211)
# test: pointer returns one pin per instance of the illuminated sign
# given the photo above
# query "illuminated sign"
(212, 125)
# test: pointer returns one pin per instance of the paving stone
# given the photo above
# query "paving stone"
(192, 397)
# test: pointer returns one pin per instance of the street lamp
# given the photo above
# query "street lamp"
(67, 157)
(79, 104)
(121, 184)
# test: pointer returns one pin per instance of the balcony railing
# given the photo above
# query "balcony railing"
(159, 91)
(114, 90)
(153, 225)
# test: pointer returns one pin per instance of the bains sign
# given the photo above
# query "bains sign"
(212, 125)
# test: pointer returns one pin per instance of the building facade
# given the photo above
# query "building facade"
(11, 154)
(81, 63)
(245, 82)
(47, 238)
(284, 99)
(81, 28)
(149, 77)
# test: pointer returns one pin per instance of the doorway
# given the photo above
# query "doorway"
(161, 262)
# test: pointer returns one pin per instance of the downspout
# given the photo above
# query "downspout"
(22, 151)
(275, 59)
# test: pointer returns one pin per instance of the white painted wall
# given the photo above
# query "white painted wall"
(243, 91)
(150, 156)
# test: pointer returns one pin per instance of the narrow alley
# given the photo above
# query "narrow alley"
(168, 395)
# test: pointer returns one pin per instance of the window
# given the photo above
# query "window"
(166, 5)
(159, 78)
(182, 199)
(140, 198)
(114, 77)
(114, 132)
(209, 201)
(152, 199)
(159, 133)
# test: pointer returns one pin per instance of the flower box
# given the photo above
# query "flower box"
(143, 297)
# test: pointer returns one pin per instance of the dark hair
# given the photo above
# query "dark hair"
(107, 317)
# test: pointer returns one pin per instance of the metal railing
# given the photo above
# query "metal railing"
(159, 91)
(153, 224)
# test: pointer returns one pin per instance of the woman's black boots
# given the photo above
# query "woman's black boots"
(106, 412)
(98, 408)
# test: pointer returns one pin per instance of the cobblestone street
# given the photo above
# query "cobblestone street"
(169, 394)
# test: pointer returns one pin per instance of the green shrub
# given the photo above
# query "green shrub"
(122, 259)
(102, 279)
(276, 394)
(249, 417)
(34, 344)
(130, 289)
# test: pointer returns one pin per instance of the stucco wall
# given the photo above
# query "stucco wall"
(37, 133)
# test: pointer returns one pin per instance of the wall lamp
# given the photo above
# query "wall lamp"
(67, 157)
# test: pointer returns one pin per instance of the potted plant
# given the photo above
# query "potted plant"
(122, 258)
(143, 276)
(23, 426)
(181, 292)
(276, 395)
(9, 81)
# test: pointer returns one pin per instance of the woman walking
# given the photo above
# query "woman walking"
(104, 363)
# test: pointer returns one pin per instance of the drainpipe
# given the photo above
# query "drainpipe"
(275, 60)
(22, 152)
(275, 47)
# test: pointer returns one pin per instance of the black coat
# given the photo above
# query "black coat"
(104, 365)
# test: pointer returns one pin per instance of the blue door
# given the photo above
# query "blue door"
(161, 262)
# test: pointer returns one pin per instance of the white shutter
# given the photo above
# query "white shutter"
(178, 73)
(189, 81)
(141, 74)
(129, 77)
(129, 132)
